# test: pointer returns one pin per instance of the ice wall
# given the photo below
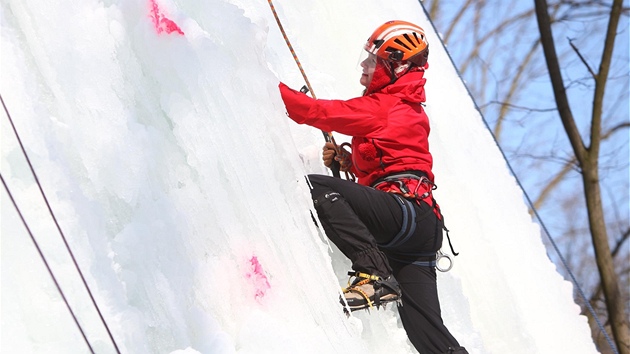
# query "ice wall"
(159, 137)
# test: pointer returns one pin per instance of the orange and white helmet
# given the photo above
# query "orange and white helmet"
(399, 41)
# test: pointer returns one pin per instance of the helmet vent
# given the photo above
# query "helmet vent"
(421, 37)
(399, 42)
(378, 43)
(409, 39)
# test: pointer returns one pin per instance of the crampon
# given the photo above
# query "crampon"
(368, 291)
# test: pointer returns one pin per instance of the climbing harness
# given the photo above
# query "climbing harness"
(327, 135)
(401, 185)
(400, 180)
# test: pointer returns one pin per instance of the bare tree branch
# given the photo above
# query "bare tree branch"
(614, 129)
(490, 34)
(557, 82)
(513, 88)
(558, 178)
(522, 108)
(582, 59)
(569, 165)
(456, 19)
(435, 8)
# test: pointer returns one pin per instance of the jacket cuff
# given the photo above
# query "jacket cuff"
(296, 103)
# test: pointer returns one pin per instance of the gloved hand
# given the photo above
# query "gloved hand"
(329, 155)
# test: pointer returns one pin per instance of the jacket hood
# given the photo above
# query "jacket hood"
(409, 87)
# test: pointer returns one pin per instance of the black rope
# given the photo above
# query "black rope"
(76, 321)
(529, 201)
(63, 237)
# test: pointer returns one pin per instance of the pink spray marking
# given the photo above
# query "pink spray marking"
(258, 278)
(161, 22)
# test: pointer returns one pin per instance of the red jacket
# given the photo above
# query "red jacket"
(389, 127)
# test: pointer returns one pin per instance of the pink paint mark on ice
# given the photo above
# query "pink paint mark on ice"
(161, 22)
(258, 278)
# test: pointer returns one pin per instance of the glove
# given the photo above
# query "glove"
(329, 155)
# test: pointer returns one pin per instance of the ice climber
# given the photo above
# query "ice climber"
(388, 224)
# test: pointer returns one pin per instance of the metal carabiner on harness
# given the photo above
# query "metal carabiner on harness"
(441, 255)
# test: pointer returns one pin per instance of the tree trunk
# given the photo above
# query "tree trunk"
(588, 159)
(604, 259)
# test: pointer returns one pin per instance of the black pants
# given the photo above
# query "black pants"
(364, 224)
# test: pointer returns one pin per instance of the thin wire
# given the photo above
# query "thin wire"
(529, 201)
(41, 255)
(63, 237)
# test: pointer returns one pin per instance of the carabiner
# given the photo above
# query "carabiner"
(441, 255)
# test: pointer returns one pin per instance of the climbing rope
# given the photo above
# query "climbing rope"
(52, 275)
(63, 237)
(327, 135)
(295, 57)
(529, 201)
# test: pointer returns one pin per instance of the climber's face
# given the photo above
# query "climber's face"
(368, 65)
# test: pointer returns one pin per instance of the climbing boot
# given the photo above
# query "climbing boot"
(368, 291)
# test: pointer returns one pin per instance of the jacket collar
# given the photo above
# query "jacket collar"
(409, 87)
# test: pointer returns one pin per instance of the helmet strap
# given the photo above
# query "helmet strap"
(394, 76)
(392, 73)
